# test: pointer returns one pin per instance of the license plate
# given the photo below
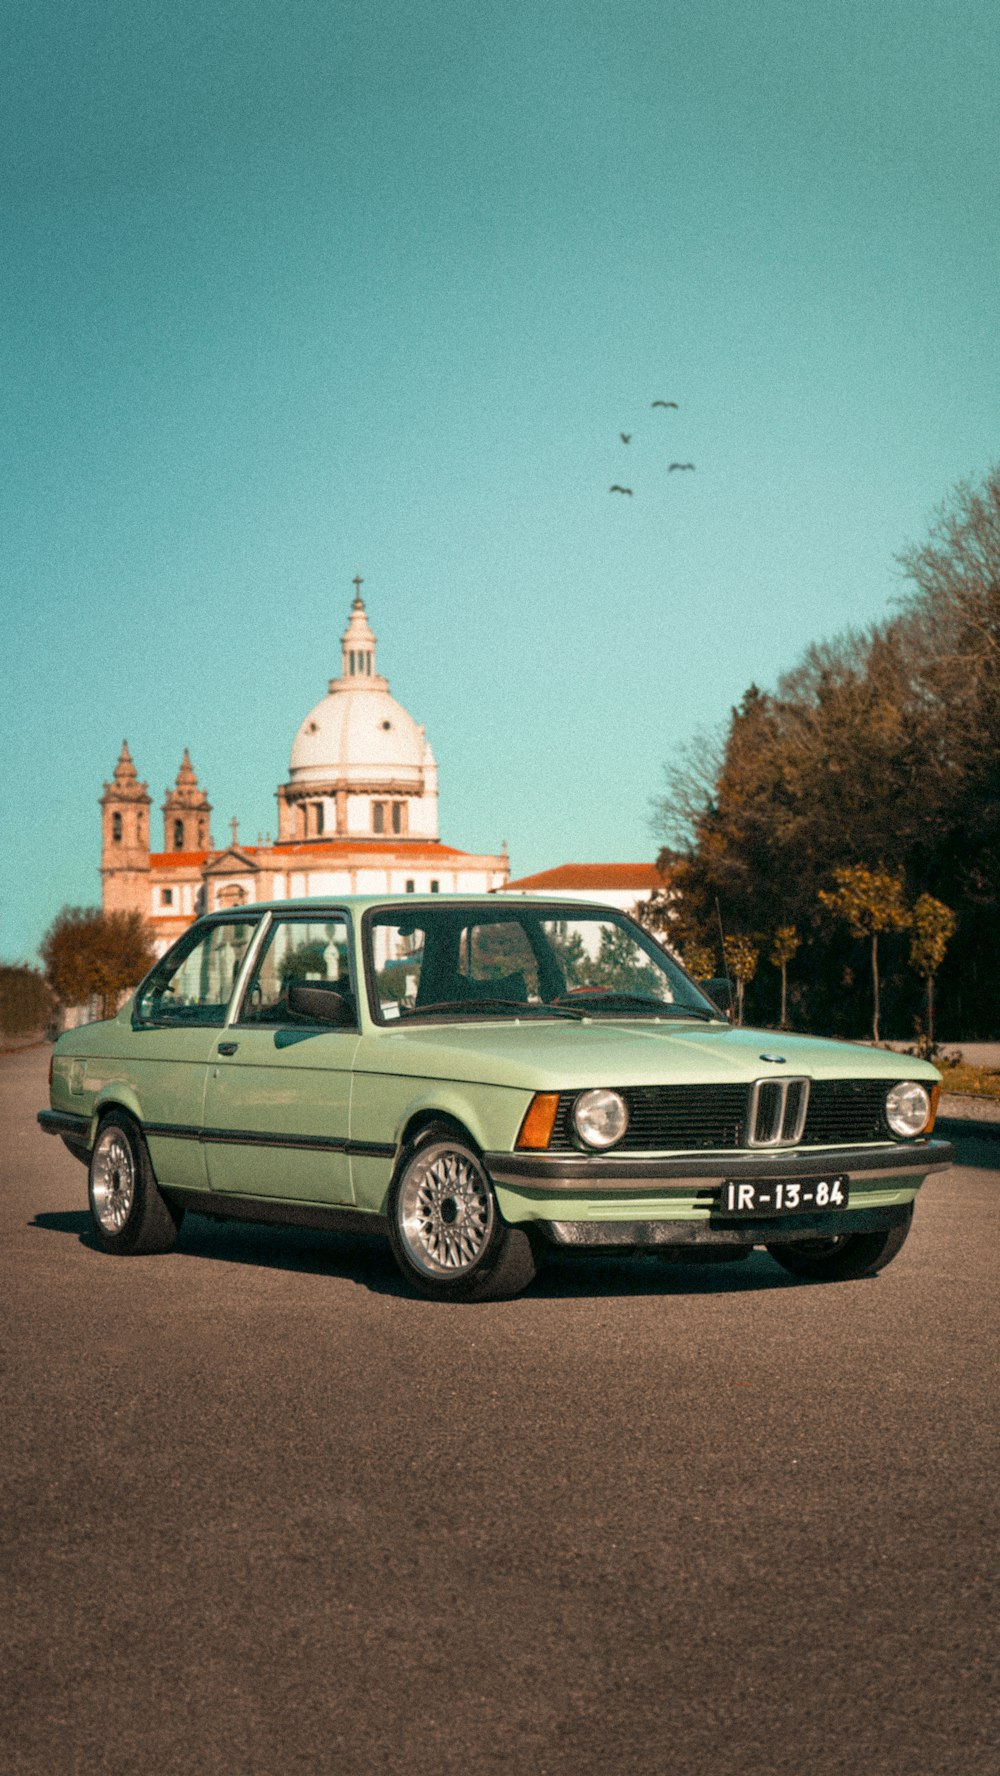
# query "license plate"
(783, 1196)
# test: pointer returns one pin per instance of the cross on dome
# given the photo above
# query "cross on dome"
(358, 641)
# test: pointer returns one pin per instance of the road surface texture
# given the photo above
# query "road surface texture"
(265, 1511)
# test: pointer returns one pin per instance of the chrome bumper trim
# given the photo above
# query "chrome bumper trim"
(687, 1172)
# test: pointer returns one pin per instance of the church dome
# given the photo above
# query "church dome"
(359, 733)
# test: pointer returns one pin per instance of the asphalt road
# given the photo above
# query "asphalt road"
(266, 1512)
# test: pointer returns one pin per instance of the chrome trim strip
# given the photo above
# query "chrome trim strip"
(687, 1171)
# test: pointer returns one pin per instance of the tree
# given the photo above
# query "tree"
(699, 960)
(931, 932)
(87, 953)
(954, 611)
(895, 729)
(620, 966)
(741, 960)
(784, 946)
(869, 902)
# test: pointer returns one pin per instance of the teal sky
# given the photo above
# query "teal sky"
(297, 287)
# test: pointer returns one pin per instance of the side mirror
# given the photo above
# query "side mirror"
(320, 1004)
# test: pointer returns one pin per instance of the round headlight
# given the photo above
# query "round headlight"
(600, 1117)
(908, 1108)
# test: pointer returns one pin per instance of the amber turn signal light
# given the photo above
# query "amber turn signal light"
(935, 1095)
(536, 1129)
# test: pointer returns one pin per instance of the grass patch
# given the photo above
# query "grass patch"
(980, 1082)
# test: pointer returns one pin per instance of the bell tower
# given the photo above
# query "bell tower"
(186, 812)
(125, 807)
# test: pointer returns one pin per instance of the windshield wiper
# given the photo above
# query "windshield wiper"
(488, 1004)
(659, 1007)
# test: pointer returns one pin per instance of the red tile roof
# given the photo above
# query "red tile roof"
(342, 848)
(332, 850)
(640, 876)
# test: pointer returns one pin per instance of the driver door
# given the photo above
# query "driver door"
(278, 1096)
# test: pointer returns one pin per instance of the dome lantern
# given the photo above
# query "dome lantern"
(358, 648)
(360, 764)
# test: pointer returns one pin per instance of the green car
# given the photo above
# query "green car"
(480, 1079)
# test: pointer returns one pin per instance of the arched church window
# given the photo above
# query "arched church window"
(178, 835)
(116, 827)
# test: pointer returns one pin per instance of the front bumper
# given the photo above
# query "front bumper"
(674, 1201)
(685, 1173)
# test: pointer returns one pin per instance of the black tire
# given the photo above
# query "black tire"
(445, 1228)
(842, 1260)
(129, 1214)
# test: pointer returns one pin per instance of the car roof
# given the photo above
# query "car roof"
(362, 903)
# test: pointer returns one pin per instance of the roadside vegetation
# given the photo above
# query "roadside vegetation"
(26, 1005)
(977, 1082)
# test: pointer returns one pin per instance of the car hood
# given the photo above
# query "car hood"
(620, 1052)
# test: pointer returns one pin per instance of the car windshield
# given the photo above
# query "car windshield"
(463, 961)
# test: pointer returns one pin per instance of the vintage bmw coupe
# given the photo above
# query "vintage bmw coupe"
(480, 1079)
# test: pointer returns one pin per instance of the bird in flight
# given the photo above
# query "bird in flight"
(674, 466)
(616, 489)
(665, 404)
(626, 437)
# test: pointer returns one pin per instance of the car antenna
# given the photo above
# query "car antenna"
(725, 964)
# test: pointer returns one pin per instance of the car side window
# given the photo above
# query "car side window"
(302, 976)
(194, 982)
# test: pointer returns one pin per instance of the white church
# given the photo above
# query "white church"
(358, 815)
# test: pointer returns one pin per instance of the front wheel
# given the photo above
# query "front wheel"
(129, 1214)
(842, 1259)
(446, 1231)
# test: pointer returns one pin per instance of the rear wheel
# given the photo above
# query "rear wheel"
(446, 1230)
(129, 1214)
(841, 1259)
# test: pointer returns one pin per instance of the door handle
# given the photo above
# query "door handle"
(228, 1048)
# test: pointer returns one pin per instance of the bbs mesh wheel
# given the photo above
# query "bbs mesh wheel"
(129, 1214)
(448, 1236)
